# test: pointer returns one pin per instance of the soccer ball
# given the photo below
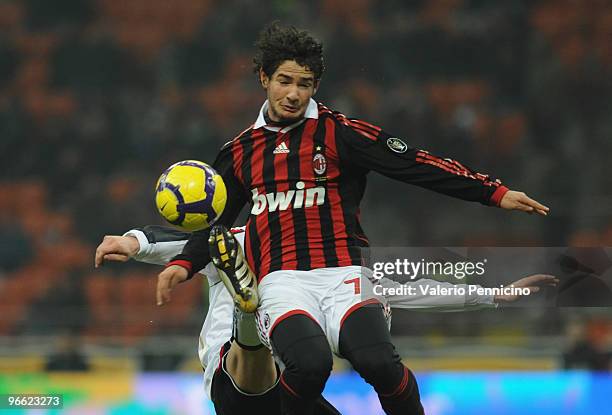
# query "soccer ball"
(191, 195)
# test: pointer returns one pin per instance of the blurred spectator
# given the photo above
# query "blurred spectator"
(200, 61)
(585, 280)
(68, 355)
(45, 15)
(90, 61)
(9, 62)
(586, 350)
(16, 248)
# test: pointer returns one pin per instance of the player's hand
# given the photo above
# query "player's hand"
(532, 282)
(513, 200)
(167, 280)
(116, 248)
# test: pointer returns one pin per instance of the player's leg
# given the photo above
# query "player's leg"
(300, 343)
(247, 379)
(248, 371)
(230, 397)
(365, 341)
(357, 329)
(291, 320)
(230, 401)
(249, 362)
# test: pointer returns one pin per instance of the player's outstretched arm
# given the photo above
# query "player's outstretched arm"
(151, 244)
(532, 282)
(373, 149)
(425, 294)
(514, 200)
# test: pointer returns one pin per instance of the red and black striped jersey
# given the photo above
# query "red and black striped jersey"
(305, 182)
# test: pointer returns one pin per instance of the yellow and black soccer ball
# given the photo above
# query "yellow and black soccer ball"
(190, 195)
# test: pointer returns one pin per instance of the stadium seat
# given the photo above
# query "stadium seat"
(101, 290)
(137, 304)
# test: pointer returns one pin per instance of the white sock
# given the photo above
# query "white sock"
(245, 330)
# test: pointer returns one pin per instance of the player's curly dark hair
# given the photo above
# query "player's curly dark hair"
(277, 44)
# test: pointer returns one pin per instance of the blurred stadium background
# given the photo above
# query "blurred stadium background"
(98, 96)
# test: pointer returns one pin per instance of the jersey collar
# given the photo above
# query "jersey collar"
(312, 112)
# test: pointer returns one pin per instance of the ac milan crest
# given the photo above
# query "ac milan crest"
(319, 164)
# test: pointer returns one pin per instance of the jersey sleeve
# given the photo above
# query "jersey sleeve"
(371, 148)
(423, 299)
(159, 244)
(195, 254)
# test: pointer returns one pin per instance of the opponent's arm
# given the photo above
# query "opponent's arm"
(371, 148)
(425, 297)
(158, 244)
(150, 244)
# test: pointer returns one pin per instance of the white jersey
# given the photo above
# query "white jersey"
(217, 327)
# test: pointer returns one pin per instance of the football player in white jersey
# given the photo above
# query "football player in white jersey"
(240, 375)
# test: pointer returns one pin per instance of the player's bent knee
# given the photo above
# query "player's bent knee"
(308, 365)
(315, 361)
(303, 348)
(379, 365)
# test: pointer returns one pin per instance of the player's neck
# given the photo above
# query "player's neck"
(281, 123)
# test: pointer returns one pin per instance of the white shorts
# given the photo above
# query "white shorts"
(326, 295)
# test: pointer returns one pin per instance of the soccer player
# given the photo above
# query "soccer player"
(303, 167)
(240, 375)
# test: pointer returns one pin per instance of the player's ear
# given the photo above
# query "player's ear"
(263, 78)
(316, 86)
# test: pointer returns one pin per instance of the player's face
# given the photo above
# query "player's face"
(289, 90)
